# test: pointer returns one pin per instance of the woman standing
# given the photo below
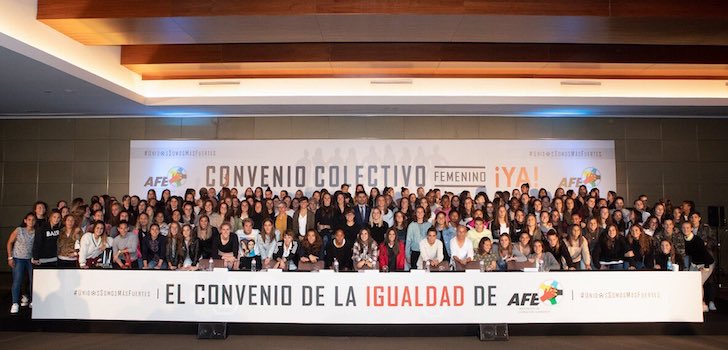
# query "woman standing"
(268, 240)
(700, 258)
(45, 244)
(20, 246)
(416, 233)
(378, 226)
(68, 244)
(205, 233)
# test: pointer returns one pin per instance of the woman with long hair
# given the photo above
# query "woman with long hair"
(507, 254)
(365, 251)
(205, 233)
(666, 256)
(94, 246)
(391, 252)
(311, 248)
(68, 243)
(269, 237)
(611, 249)
(485, 253)
(578, 248)
(640, 253)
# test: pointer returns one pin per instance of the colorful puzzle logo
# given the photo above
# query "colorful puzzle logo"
(177, 176)
(549, 291)
(591, 177)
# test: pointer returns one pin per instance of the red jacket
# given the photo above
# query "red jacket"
(384, 258)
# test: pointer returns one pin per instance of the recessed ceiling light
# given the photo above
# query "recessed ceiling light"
(391, 81)
(218, 83)
(581, 83)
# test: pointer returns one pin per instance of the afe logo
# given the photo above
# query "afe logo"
(176, 177)
(548, 293)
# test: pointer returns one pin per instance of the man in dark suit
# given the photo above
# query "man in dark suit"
(303, 218)
(362, 210)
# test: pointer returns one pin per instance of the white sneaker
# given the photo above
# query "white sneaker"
(24, 301)
(14, 309)
(711, 306)
(705, 308)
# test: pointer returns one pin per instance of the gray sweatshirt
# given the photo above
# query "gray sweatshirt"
(130, 241)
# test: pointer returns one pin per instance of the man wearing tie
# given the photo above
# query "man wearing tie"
(362, 210)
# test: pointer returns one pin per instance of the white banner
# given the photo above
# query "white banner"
(453, 165)
(368, 297)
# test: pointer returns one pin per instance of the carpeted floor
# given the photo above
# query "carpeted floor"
(80, 341)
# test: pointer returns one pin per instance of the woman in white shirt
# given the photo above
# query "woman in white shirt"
(578, 248)
(431, 250)
(461, 248)
(93, 246)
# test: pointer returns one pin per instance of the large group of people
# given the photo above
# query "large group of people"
(348, 231)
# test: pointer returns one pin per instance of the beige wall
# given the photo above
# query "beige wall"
(50, 159)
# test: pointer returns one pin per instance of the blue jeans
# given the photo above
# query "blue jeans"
(326, 237)
(22, 266)
(152, 264)
(638, 265)
(615, 267)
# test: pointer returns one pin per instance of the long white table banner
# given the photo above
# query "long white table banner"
(453, 165)
(368, 297)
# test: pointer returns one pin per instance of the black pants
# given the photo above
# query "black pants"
(133, 266)
(67, 264)
(48, 265)
(414, 256)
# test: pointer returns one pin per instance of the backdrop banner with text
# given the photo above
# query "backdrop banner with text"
(368, 297)
(451, 165)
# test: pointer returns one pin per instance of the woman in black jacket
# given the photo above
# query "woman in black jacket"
(287, 252)
(45, 242)
(640, 252)
(183, 250)
(560, 251)
(205, 233)
(609, 252)
(700, 258)
(226, 246)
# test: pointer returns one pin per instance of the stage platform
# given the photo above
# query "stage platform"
(716, 323)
